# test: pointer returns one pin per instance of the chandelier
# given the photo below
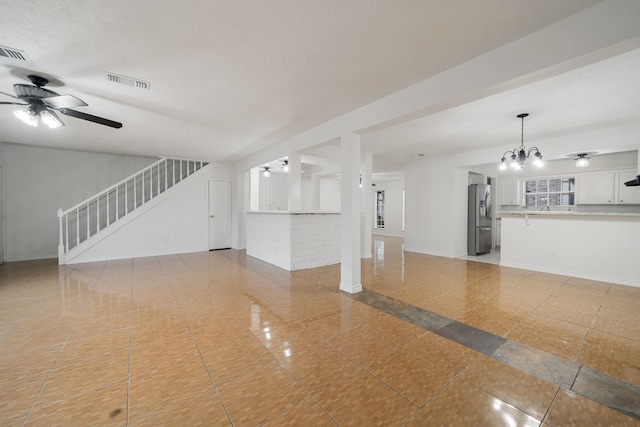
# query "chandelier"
(519, 156)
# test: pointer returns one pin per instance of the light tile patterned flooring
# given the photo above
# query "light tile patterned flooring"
(219, 338)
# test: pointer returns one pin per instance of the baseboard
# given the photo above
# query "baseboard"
(577, 274)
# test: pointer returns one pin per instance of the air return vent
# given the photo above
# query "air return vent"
(127, 81)
(11, 53)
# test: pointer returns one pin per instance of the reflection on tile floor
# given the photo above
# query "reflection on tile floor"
(219, 338)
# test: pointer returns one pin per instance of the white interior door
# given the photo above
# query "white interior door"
(219, 214)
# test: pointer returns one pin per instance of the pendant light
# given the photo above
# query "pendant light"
(266, 172)
(519, 156)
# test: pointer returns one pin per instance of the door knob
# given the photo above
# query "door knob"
(211, 216)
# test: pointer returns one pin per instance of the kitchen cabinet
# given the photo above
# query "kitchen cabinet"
(605, 188)
(596, 188)
(627, 195)
(509, 194)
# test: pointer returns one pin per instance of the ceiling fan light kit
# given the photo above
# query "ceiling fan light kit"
(27, 116)
(519, 156)
(42, 103)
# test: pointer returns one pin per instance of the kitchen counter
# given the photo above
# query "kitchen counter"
(599, 246)
(568, 213)
(280, 212)
(294, 240)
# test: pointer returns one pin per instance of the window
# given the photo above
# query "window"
(380, 209)
(550, 192)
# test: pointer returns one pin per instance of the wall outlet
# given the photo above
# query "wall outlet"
(553, 254)
(166, 240)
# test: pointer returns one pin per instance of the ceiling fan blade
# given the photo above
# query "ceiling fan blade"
(89, 117)
(9, 95)
(64, 101)
(12, 103)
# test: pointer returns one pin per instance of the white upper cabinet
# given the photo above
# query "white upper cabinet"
(595, 188)
(509, 191)
(627, 195)
(604, 188)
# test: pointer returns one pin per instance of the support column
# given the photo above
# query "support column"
(241, 203)
(366, 205)
(254, 190)
(294, 180)
(350, 273)
(315, 195)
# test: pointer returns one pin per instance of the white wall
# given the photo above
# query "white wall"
(330, 194)
(392, 207)
(274, 192)
(430, 207)
(39, 181)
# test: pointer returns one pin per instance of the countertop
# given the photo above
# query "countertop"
(281, 212)
(568, 213)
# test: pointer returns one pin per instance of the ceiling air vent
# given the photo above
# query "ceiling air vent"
(127, 81)
(16, 54)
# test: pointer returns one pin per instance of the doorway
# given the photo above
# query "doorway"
(219, 214)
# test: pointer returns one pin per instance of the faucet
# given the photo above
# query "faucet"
(542, 208)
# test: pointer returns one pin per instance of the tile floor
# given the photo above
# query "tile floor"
(219, 338)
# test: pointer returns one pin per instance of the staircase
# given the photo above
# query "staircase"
(85, 222)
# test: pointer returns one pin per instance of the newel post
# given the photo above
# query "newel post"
(61, 257)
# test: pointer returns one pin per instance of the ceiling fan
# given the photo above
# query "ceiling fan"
(43, 103)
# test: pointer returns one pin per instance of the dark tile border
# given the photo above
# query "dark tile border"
(609, 391)
(477, 339)
(538, 363)
(601, 388)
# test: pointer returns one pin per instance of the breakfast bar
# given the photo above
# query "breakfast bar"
(294, 240)
(578, 244)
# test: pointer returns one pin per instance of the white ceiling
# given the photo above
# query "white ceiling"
(232, 77)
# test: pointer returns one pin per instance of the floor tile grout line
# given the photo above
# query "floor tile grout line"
(374, 375)
(359, 298)
(546, 414)
(206, 367)
(281, 364)
(130, 344)
(75, 323)
(575, 378)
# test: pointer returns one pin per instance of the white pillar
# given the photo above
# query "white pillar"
(294, 180)
(350, 274)
(241, 203)
(315, 188)
(61, 242)
(366, 204)
(254, 190)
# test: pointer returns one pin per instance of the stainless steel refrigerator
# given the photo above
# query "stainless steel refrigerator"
(479, 226)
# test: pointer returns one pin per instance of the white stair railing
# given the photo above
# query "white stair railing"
(93, 215)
